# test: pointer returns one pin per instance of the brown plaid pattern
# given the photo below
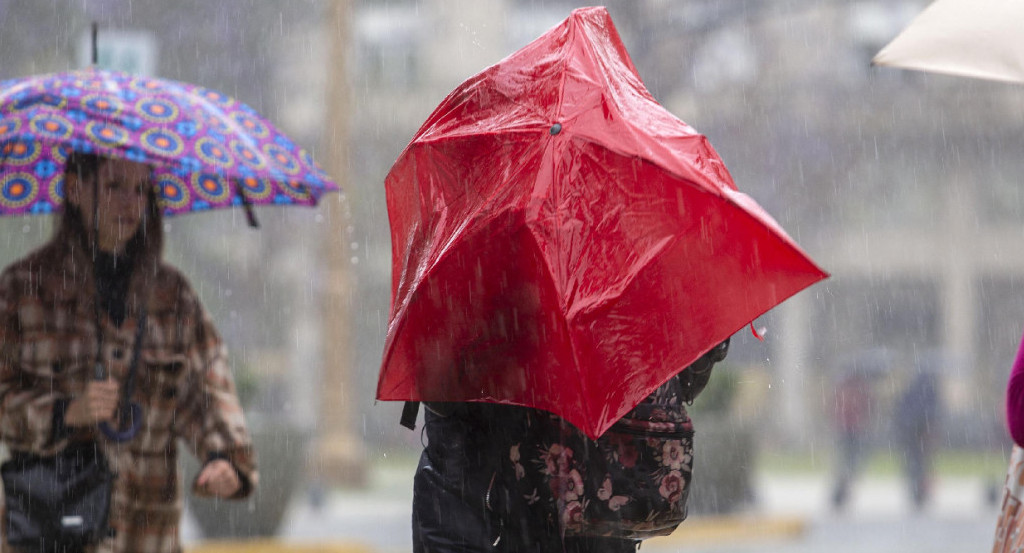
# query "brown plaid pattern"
(185, 388)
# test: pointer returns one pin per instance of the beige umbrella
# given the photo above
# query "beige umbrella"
(983, 39)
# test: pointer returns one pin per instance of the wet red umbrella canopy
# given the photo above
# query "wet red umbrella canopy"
(561, 241)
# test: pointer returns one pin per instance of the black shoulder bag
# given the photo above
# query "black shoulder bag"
(57, 503)
(62, 502)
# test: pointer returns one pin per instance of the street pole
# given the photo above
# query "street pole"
(339, 459)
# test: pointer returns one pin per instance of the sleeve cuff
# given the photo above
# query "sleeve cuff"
(245, 484)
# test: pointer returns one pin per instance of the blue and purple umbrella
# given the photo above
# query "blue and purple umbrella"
(207, 149)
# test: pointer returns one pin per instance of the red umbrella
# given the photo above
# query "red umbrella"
(561, 241)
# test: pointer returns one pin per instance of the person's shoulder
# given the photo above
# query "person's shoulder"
(171, 283)
(171, 288)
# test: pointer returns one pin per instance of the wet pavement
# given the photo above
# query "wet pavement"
(792, 514)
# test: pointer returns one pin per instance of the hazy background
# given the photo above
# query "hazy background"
(905, 186)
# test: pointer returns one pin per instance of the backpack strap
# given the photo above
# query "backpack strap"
(409, 414)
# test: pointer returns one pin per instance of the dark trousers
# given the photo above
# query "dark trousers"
(460, 504)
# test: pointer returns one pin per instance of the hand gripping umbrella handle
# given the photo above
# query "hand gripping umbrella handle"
(131, 415)
(130, 419)
(131, 422)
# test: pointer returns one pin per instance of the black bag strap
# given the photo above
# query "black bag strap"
(410, 412)
(129, 414)
(140, 334)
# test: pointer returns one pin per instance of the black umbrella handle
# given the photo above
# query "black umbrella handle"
(131, 422)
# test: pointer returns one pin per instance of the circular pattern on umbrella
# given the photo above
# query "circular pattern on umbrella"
(56, 189)
(51, 126)
(140, 84)
(173, 192)
(157, 110)
(214, 120)
(252, 125)
(59, 153)
(284, 159)
(35, 100)
(105, 134)
(213, 153)
(255, 188)
(20, 152)
(163, 142)
(102, 104)
(91, 84)
(10, 126)
(211, 188)
(296, 190)
(250, 157)
(215, 97)
(18, 190)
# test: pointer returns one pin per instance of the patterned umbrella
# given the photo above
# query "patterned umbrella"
(208, 150)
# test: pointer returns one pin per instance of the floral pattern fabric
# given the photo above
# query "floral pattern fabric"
(633, 482)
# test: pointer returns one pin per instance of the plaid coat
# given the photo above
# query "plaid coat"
(47, 351)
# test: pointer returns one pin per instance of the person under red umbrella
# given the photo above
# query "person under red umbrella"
(468, 493)
(99, 291)
(564, 252)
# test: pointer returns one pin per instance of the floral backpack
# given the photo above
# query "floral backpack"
(633, 481)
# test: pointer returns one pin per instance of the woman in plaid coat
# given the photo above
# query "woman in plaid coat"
(48, 398)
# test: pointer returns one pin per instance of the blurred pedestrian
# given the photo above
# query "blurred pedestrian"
(852, 408)
(916, 424)
(98, 296)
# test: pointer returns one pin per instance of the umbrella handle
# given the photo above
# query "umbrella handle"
(133, 416)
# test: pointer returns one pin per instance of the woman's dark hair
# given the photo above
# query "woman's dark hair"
(82, 164)
(148, 239)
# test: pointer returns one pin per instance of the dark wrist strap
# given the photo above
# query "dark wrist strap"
(410, 412)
